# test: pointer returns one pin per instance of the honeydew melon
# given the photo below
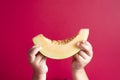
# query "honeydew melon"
(60, 49)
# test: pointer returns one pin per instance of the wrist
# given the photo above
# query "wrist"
(77, 68)
(79, 74)
(74, 70)
(40, 76)
(39, 72)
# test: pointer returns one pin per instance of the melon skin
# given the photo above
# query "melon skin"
(60, 49)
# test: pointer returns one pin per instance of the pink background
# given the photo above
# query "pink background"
(20, 20)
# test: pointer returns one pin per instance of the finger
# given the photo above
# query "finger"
(84, 42)
(33, 48)
(38, 58)
(33, 52)
(86, 48)
(90, 52)
(88, 43)
(79, 58)
(43, 59)
(84, 55)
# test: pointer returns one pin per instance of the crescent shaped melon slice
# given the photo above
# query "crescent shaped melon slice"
(60, 49)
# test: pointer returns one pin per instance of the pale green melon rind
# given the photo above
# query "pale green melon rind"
(35, 41)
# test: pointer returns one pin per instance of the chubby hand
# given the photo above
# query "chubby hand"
(83, 57)
(37, 60)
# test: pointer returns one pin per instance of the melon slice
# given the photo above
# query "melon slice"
(60, 49)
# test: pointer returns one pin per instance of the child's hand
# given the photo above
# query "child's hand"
(37, 61)
(83, 57)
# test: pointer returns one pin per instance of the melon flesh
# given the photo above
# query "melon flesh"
(60, 49)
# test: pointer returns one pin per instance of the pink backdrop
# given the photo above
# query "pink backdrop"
(20, 20)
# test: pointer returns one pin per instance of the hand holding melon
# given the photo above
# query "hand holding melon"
(83, 57)
(37, 61)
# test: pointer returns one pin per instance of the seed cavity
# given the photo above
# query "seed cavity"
(62, 42)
